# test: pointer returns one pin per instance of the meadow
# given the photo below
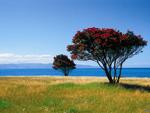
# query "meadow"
(73, 95)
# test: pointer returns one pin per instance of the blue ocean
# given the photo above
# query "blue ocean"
(127, 72)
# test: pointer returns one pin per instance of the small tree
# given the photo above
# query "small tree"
(64, 64)
(107, 47)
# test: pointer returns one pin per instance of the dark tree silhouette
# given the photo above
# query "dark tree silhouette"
(64, 64)
(107, 47)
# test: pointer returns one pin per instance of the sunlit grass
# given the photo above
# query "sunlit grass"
(71, 95)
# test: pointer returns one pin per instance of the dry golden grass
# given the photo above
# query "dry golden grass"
(73, 95)
(39, 84)
(56, 79)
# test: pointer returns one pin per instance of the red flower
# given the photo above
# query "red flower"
(70, 47)
(124, 37)
(92, 30)
(74, 56)
(103, 44)
(106, 35)
(97, 40)
(96, 35)
(108, 30)
(81, 47)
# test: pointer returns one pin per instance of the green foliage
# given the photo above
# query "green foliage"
(4, 104)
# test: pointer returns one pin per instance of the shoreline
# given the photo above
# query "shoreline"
(60, 76)
(74, 77)
(41, 80)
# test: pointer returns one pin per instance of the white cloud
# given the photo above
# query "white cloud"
(10, 58)
(6, 58)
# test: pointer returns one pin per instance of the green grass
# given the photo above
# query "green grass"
(4, 104)
(72, 98)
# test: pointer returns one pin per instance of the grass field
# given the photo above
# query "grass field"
(73, 95)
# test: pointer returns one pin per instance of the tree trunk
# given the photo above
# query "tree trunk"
(115, 71)
(120, 71)
(65, 72)
(108, 76)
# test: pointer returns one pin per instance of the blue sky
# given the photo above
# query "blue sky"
(43, 28)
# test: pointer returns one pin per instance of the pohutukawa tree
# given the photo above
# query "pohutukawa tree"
(109, 48)
(64, 64)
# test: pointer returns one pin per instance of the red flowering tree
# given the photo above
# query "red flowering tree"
(64, 64)
(107, 47)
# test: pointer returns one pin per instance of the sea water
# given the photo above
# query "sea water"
(126, 72)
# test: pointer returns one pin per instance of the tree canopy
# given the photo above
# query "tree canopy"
(108, 47)
(64, 64)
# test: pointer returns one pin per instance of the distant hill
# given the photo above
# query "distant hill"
(35, 66)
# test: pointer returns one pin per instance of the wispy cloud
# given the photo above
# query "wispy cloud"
(10, 58)
(6, 58)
